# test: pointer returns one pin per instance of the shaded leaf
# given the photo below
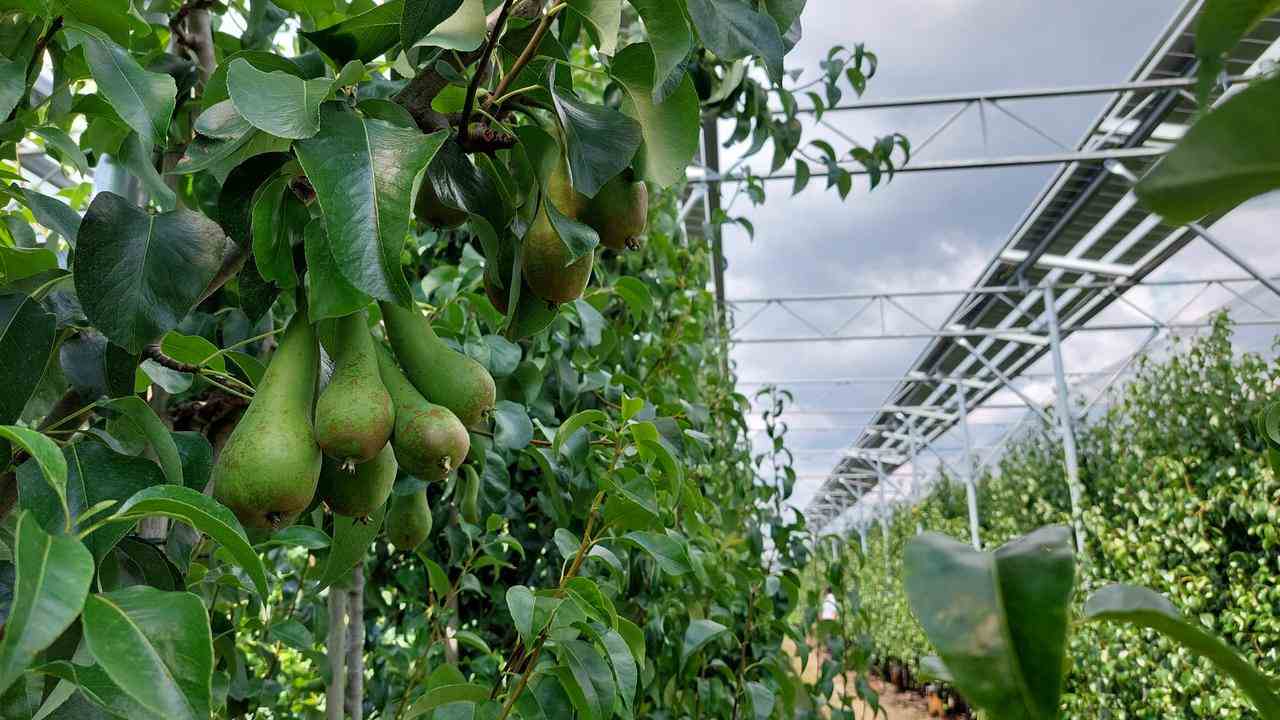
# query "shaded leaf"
(599, 141)
(351, 540)
(733, 30)
(670, 128)
(144, 100)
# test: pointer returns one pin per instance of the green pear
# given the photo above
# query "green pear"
(268, 470)
(443, 375)
(358, 491)
(408, 521)
(430, 209)
(354, 415)
(619, 213)
(469, 494)
(547, 268)
(429, 440)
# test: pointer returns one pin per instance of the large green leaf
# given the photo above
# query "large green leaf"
(204, 514)
(351, 541)
(95, 473)
(61, 143)
(53, 214)
(53, 576)
(277, 102)
(49, 460)
(670, 128)
(272, 232)
(464, 30)
(697, 635)
(669, 36)
(420, 17)
(13, 83)
(215, 91)
(604, 17)
(521, 603)
(1001, 623)
(1221, 25)
(587, 678)
(1227, 157)
(362, 37)
(363, 171)
(142, 422)
(137, 274)
(135, 155)
(26, 341)
(670, 555)
(734, 30)
(1146, 608)
(599, 141)
(155, 646)
(445, 695)
(144, 100)
(332, 296)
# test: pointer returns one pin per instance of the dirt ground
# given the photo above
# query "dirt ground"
(899, 706)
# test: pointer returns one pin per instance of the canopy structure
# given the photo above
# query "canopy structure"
(1082, 245)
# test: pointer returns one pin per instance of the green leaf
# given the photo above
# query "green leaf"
(1002, 624)
(137, 274)
(762, 700)
(135, 155)
(670, 40)
(276, 102)
(95, 473)
(331, 295)
(1146, 608)
(463, 31)
(1221, 25)
(215, 91)
(670, 555)
(635, 294)
(363, 171)
(192, 349)
(520, 602)
(600, 141)
(576, 422)
(27, 333)
(13, 84)
(697, 635)
(156, 646)
(544, 156)
(512, 428)
(444, 695)
(143, 421)
(625, 670)
(53, 466)
(420, 17)
(303, 536)
(351, 540)
(1228, 156)
(222, 121)
(604, 17)
(587, 678)
(53, 576)
(733, 30)
(144, 100)
(58, 139)
(670, 128)
(362, 37)
(272, 244)
(204, 514)
(53, 214)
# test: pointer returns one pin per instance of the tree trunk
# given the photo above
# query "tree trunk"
(355, 644)
(336, 648)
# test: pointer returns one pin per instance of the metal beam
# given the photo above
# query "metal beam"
(1060, 262)
(960, 335)
(1065, 421)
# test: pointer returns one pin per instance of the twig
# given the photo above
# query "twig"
(482, 68)
(153, 353)
(529, 51)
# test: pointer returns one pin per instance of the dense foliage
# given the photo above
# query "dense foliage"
(493, 188)
(1179, 498)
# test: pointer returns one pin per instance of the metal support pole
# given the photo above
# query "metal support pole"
(1233, 257)
(970, 482)
(1064, 419)
(711, 161)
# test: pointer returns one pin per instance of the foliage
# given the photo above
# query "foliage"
(274, 160)
(1178, 448)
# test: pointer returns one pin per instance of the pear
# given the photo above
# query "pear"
(354, 415)
(429, 441)
(430, 209)
(619, 213)
(408, 521)
(443, 375)
(547, 269)
(268, 470)
(469, 494)
(358, 491)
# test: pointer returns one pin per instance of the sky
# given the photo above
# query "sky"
(939, 230)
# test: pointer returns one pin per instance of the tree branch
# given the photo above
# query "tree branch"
(482, 68)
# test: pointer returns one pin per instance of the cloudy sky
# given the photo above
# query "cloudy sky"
(938, 230)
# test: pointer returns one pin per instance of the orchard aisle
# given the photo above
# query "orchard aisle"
(897, 706)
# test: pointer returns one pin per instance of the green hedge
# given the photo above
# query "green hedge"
(1178, 497)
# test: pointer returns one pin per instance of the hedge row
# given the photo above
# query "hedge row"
(1178, 497)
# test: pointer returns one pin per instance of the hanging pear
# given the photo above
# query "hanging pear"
(440, 373)
(408, 521)
(547, 268)
(267, 471)
(358, 491)
(429, 441)
(354, 415)
(619, 212)
(469, 494)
